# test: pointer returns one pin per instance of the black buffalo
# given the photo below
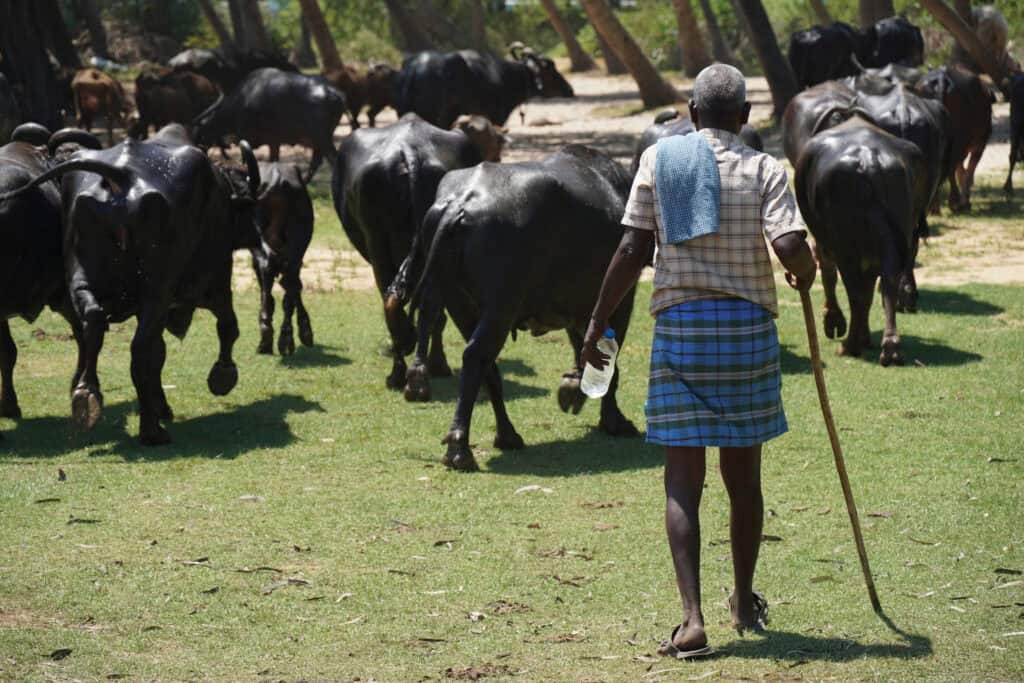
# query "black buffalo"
(31, 268)
(1016, 128)
(862, 192)
(384, 182)
(671, 122)
(284, 216)
(441, 86)
(149, 230)
(274, 107)
(825, 53)
(520, 247)
(227, 67)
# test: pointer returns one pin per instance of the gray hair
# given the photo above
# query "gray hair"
(719, 87)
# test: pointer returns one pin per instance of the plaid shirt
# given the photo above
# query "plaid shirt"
(756, 203)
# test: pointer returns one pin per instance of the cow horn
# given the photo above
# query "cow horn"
(120, 178)
(252, 167)
(73, 135)
(32, 133)
(205, 114)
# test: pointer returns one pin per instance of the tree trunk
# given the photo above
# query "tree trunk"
(718, 45)
(693, 49)
(963, 8)
(613, 66)
(479, 25)
(26, 64)
(780, 77)
(968, 39)
(56, 34)
(821, 12)
(211, 16)
(443, 31)
(238, 24)
(255, 32)
(97, 34)
(873, 11)
(655, 91)
(413, 38)
(303, 55)
(156, 17)
(330, 59)
(579, 60)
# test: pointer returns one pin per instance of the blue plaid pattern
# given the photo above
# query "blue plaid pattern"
(715, 378)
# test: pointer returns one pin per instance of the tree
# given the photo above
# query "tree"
(780, 77)
(413, 38)
(238, 24)
(330, 59)
(97, 34)
(655, 91)
(963, 8)
(579, 60)
(719, 48)
(821, 12)
(478, 26)
(693, 49)
(56, 35)
(873, 11)
(303, 55)
(26, 64)
(223, 35)
(255, 32)
(968, 39)
(612, 64)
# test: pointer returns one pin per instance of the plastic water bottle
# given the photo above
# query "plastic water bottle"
(595, 382)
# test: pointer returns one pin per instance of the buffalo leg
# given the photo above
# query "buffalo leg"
(292, 292)
(968, 179)
(955, 197)
(613, 422)
(265, 278)
(8, 357)
(224, 374)
(833, 319)
(417, 377)
(371, 115)
(570, 396)
(148, 355)
(275, 153)
(86, 398)
(437, 362)
(859, 291)
(1015, 142)
(892, 271)
(906, 293)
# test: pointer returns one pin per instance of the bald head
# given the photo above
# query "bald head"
(720, 88)
(719, 99)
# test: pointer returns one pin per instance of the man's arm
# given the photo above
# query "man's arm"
(633, 253)
(796, 257)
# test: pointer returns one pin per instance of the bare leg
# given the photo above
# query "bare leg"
(8, 357)
(684, 484)
(741, 472)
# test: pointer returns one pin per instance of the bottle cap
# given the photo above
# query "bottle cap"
(609, 333)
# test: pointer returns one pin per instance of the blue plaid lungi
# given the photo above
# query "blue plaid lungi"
(715, 378)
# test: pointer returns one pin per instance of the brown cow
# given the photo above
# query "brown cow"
(97, 93)
(371, 88)
(166, 96)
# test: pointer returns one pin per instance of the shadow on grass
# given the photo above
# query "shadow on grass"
(954, 302)
(926, 350)
(446, 389)
(314, 357)
(800, 647)
(225, 434)
(594, 452)
(793, 364)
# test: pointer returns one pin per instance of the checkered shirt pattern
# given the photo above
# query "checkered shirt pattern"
(756, 203)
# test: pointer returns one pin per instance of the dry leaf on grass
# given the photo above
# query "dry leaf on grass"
(247, 570)
(1009, 584)
(604, 505)
(475, 673)
(605, 527)
(251, 498)
(884, 514)
(923, 542)
(290, 581)
(210, 591)
(59, 653)
(771, 538)
(199, 562)
(572, 637)
(532, 487)
(47, 500)
(533, 525)
(1010, 572)
(476, 616)
(574, 581)
(505, 607)
(563, 553)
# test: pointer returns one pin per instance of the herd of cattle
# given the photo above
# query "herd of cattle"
(147, 228)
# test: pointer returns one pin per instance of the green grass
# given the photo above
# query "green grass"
(312, 470)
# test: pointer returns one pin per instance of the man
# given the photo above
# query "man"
(715, 377)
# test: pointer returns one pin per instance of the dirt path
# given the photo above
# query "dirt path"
(606, 114)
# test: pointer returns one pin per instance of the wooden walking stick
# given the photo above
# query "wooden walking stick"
(837, 451)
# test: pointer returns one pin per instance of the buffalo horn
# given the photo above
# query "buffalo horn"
(73, 135)
(252, 167)
(205, 114)
(119, 178)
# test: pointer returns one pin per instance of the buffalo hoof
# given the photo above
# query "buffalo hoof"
(396, 380)
(286, 343)
(892, 353)
(459, 456)
(86, 408)
(835, 323)
(305, 333)
(157, 436)
(222, 378)
(570, 398)
(509, 441)
(1008, 188)
(166, 414)
(417, 384)
(618, 425)
(438, 366)
(906, 299)
(849, 348)
(266, 346)
(9, 408)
